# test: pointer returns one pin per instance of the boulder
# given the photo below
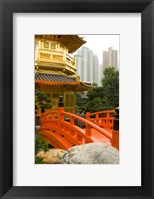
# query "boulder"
(91, 153)
(53, 156)
(40, 154)
(51, 160)
(55, 152)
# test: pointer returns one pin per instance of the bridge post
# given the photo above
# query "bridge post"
(60, 108)
(97, 119)
(88, 115)
(115, 132)
(107, 119)
(88, 130)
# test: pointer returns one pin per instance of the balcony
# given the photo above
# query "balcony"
(70, 61)
(55, 60)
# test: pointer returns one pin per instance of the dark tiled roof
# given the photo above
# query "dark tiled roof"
(54, 78)
(61, 81)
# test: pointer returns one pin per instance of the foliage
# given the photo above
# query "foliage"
(40, 145)
(94, 84)
(38, 160)
(95, 92)
(42, 100)
(105, 97)
(81, 102)
(110, 86)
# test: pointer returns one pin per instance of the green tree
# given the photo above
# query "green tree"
(42, 100)
(94, 84)
(105, 97)
(110, 85)
(81, 102)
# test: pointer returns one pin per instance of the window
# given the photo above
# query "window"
(54, 103)
(46, 44)
(55, 95)
(52, 46)
(57, 57)
(45, 56)
(69, 100)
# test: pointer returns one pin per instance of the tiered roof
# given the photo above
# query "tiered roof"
(61, 81)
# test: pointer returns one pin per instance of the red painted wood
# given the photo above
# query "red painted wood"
(64, 134)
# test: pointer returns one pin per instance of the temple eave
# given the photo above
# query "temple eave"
(76, 86)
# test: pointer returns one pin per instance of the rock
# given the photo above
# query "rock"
(91, 153)
(40, 154)
(55, 152)
(53, 156)
(51, 160)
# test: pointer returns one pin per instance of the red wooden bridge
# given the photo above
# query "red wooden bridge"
(62, 133)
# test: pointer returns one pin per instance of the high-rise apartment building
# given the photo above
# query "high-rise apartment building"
(88, 66)
(110, 58)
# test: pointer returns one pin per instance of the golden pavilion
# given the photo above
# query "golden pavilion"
(55, 69)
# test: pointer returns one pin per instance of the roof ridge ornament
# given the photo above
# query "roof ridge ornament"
(78, 78)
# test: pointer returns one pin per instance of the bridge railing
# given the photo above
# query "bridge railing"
(55, 120)
(49, 120)
(103, 119)
(89, 125)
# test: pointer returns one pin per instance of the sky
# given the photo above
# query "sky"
(99, 43)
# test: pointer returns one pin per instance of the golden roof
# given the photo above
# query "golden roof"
(71, 42)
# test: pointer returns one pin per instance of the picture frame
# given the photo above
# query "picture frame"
(7, 8)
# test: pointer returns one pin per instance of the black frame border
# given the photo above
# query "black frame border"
(7, 8)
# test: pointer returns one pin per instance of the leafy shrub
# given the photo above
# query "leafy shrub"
(38, 160)
(40, 145)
